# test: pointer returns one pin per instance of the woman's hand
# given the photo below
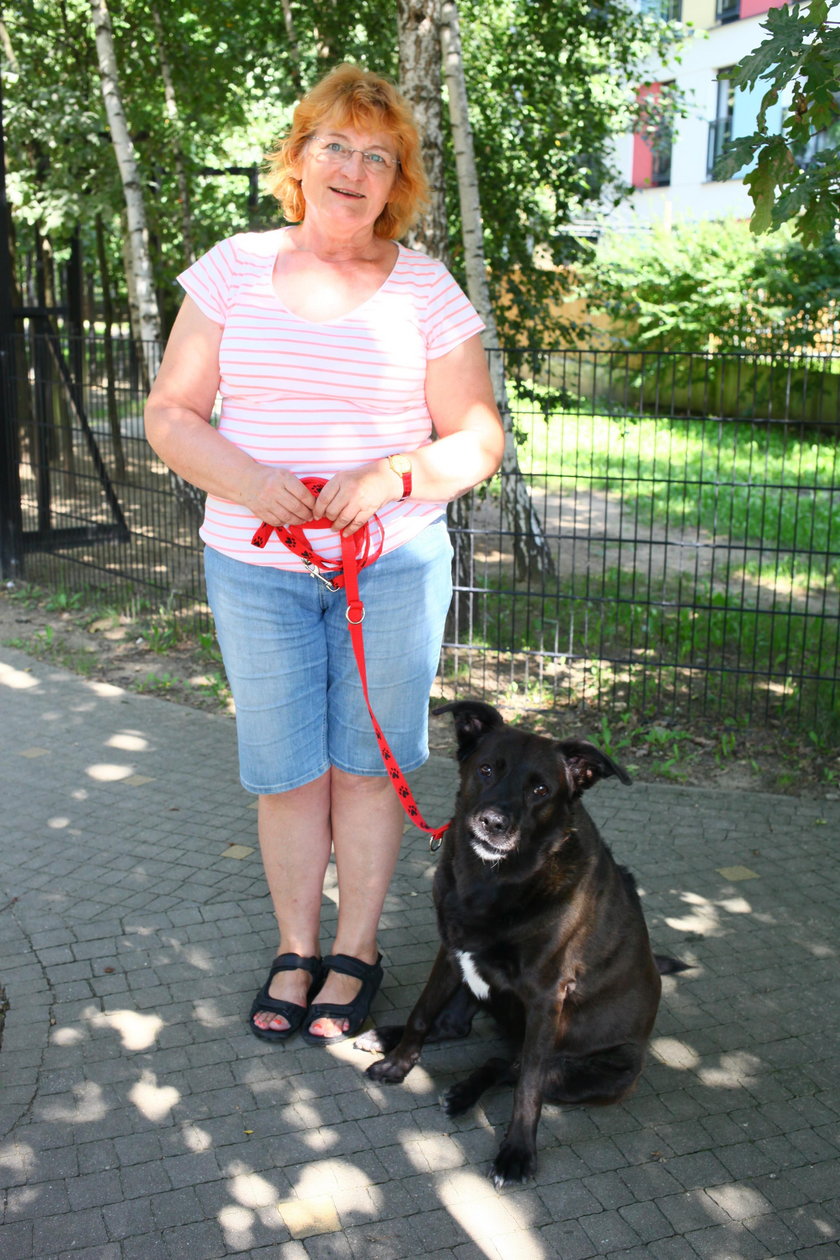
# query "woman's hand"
(276, 496)
(352, 497)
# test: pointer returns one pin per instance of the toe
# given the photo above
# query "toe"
(329, 1028)
(266, 1020)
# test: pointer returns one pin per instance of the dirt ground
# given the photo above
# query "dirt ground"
(142, 656)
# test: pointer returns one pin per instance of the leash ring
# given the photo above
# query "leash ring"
(350, 619)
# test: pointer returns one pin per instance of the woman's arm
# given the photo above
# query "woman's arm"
(178, 428)
(469, 448)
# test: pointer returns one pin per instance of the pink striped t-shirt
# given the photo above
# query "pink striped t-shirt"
(320, 397)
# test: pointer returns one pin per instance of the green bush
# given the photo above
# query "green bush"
(713, 285)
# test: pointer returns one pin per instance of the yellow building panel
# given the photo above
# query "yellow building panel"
(700, 13)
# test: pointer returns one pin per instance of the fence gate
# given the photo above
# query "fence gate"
(53, 464)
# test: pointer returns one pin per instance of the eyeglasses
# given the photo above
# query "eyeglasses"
(336, 153)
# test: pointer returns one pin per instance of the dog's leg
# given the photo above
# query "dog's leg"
(605, 1077)
(440, 988)
(517, 1157)
(453, 1022)
(466, 1093)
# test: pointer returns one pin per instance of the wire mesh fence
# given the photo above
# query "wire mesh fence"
(680, 552)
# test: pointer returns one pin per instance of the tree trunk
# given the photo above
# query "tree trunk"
(138, 237)
(139, 274)
(418, 29)
(110, 382)
(531, 551)
(294, 46)
(177, 133)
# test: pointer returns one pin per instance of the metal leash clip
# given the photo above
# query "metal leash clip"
(314, 571)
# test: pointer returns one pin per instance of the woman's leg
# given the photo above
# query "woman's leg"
(367, 826)
(406, 596)
(269, 624)
(295, 842)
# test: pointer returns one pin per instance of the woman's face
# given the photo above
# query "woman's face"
(347, 176)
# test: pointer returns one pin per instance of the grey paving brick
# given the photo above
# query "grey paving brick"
(569, 1240)
(151, 1246)
(129, 1218)
(646, 1221)
(17, 1240)
(108, 1251)
(68, 1232)
(727, 1240)
(142, 1180)
(95, 1189)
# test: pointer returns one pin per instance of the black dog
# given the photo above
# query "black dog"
(538, 923)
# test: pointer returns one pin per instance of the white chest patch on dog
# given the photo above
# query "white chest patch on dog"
(471, 977)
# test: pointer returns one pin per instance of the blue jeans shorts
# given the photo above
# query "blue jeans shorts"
(289, 659)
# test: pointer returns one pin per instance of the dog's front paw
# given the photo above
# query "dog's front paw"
(380, 1040)
(458, 1099)
(513, 1163)
(388, 1071)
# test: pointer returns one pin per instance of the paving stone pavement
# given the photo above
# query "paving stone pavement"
(140, 1119)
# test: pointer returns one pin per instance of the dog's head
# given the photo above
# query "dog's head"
(517, 788)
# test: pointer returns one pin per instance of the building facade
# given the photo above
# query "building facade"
(672, 175)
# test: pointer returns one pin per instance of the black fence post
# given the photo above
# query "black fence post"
(11, 521)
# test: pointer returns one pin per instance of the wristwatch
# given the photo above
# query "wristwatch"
(401, 465)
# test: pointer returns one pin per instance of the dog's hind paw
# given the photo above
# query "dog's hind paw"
(512, 1164)
(380, 1040)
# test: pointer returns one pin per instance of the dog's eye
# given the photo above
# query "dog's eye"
(485, 772)
(539, 790)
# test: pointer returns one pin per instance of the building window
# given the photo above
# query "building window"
(652, 142)
(720, 128)
(667, 10)
(727, 10)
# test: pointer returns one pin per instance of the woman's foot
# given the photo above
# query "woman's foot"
(280, 1007)
(338, 990)
(341, 1005)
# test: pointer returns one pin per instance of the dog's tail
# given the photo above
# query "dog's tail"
(668, 966)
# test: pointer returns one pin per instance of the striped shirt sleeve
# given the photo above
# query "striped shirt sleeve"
(210, 281)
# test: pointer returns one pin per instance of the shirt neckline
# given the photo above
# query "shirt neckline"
(338, 319)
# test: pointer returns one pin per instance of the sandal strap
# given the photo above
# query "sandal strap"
(349, 966)
(293, 962)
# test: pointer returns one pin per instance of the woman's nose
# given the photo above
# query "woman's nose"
(351, 154)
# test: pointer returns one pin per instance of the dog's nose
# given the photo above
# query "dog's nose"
(493, 821)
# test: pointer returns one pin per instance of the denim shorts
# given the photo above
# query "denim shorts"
(289, 659)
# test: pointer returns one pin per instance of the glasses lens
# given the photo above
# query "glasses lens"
(336, 152)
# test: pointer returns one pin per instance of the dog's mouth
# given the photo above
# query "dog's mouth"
(491, 848)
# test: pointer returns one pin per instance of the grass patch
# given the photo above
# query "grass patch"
(767, 485)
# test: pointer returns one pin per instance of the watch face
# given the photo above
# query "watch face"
(400, 464)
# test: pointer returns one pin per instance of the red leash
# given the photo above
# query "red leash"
(357, 553)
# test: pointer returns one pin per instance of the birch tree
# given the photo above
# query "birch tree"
(137, 239)
(173, 115)
(531, 549)
(418, 31)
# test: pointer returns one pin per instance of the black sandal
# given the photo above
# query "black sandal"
(290, 1011)
(355, 1012)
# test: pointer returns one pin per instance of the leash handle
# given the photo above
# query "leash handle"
(357, 552)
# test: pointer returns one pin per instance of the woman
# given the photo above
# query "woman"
(340, 355)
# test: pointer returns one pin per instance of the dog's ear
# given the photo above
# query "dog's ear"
(472, 720)
(585, 765)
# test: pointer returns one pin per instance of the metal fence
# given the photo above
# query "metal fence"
(680, 552)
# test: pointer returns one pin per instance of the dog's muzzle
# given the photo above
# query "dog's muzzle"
(492, 835)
